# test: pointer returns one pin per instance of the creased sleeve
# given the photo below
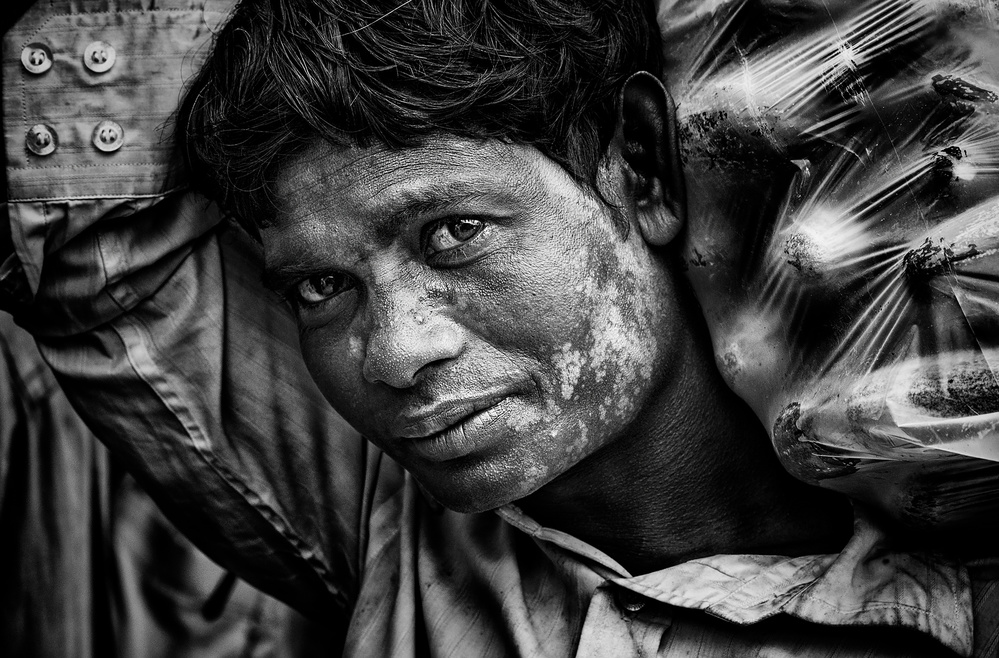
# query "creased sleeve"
(153, 316)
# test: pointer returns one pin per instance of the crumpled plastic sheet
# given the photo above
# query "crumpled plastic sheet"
(842, 163)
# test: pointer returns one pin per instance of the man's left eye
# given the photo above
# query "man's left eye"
(451, 233)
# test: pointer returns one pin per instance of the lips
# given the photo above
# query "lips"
(451, 429)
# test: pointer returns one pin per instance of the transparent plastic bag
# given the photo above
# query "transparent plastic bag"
(842, 162)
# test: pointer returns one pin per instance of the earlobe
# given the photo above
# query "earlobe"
(658, 223)
(650, 146)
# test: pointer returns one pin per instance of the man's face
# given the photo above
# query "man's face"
(470, 309)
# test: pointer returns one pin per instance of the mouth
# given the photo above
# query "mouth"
(455, 429)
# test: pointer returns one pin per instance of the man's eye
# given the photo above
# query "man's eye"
(320, 288)
(450, 233)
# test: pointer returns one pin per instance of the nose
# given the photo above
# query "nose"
(408, 335)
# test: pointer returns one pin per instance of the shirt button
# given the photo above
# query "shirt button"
(630, 601)
(99, 56)
(41, 139)
(36, 58)
(108, 136)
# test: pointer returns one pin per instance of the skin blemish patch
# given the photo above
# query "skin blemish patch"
(621, 334)
(568, 362)
(355, 346)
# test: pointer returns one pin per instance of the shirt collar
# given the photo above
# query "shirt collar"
(866, 584)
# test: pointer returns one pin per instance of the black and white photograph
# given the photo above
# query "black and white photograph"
(499, 328)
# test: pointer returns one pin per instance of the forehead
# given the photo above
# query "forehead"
(380, 179)
(335, 192)
(347, 203)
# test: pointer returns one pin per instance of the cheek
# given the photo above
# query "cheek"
(606, 364)
(593, 325)
(523, 310)
(597, 374)
(605, 368)
(335, 364)
(624, 346)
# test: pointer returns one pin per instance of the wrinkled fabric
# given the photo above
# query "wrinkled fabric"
(168, 595)
(89, 565)
(54, 514)
(201, 391)
(500, 584)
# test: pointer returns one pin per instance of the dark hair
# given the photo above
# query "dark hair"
(284, 73)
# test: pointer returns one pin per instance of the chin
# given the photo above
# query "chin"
(475, 497)
(465, 506)
(467, 502)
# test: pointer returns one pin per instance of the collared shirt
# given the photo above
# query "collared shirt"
(434, 582)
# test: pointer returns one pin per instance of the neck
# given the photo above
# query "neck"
(696, 477)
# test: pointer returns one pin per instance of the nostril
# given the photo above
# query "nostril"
(398, 354)
(390, 364)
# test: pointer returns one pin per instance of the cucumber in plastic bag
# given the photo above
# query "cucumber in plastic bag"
(842, 163)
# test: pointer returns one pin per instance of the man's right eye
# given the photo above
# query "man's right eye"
(320, 288)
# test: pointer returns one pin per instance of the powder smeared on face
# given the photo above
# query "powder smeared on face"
(552, 313)
(569, 364)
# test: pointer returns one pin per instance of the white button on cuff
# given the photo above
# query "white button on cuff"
(36, 58)
(41, 139)
(108, 136)
(99, 56)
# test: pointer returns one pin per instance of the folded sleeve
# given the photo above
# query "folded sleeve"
(152, 315)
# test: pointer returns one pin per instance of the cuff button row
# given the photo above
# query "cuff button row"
(41, 139)
(98, 57)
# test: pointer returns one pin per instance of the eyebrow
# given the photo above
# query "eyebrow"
(280, 278)
(428, 199)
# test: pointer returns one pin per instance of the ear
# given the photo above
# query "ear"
(649, 144)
